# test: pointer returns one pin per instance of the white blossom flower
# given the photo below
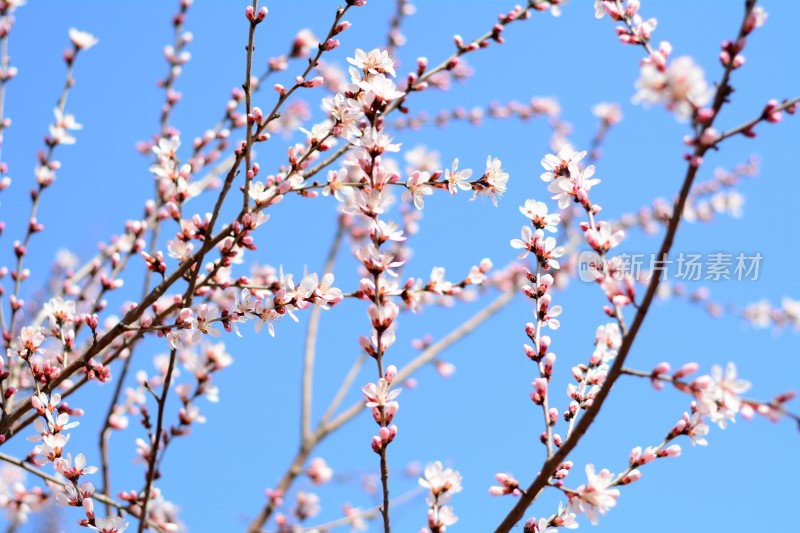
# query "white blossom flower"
(419, 188)
(374, 62)
(493, 182)
(111, 524)
(682, 87)
(81, 39)
(558, 165)
(537, 213)
(381, 88)
(442, 482)
(721, 400)
(179, 249)
(595, 496)
(457, 178)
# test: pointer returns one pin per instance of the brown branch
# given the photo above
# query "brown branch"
(583, 424)
(324, 428)
(311, 340)
(156, 441)
(56, 481)
(684, 386)
(750, 123)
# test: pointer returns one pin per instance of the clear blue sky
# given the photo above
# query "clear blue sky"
(480, 421)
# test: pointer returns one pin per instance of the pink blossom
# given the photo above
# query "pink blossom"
(380, 88)
(508, 485)
(493, 182)
(376, 262)
(540, 219)
(64, 467)
(756, 19)
(442, 482)
(682, 87)
(111, 524)
(82, 40)
(72, 496)
(545, 249)
(59, 311)
(167, 148)
(539, 526)
(457, 179)
(595, 496)
(345, 113)
(558, 165)
(374, 62)
(27, 344)
(318, 471)
(721, 399)
(336, 185)
(601, 239)
(575, 185)
(376, 142)
(418, 186)
(379, 395)
(610, 113)
(441, 517)
(382, 231)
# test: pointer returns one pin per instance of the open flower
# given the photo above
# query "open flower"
(682, 87)
(457, 179)
(112, 524)
(419, 188)
(374, 62)
(81, 39)
(441, 481)
(594, 497)
(537, 213)
(493, 182)
(558, 165)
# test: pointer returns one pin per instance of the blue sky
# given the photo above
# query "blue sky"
(479, 421)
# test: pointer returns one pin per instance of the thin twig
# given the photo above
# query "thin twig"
(750, 123)
(311, 340)
(430, 353)
(155, 443)
(393, 36)
(367, 514)
(344, 388)
(583, 424)
(52, 479)
(324, 428)
(685, 385)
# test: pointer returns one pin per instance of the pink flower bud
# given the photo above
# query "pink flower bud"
(636, 453)
(670, 451)
(633, 475)
(313, 82)
(529, 351)
(685, 370)
(549, 361)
